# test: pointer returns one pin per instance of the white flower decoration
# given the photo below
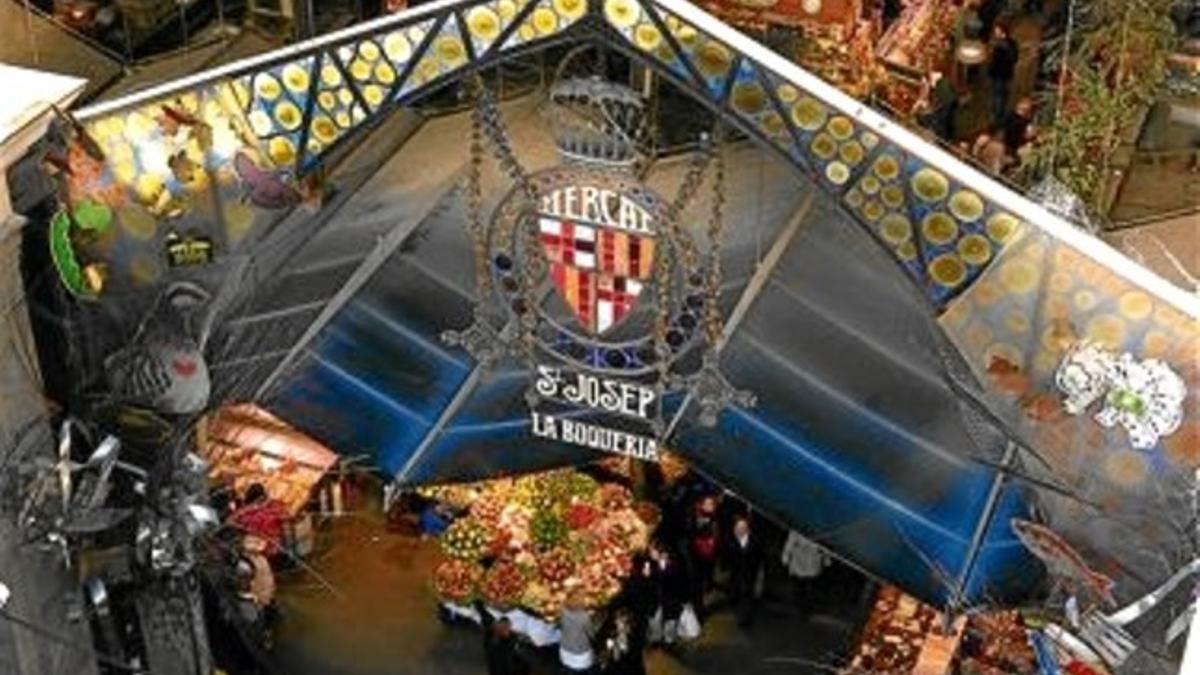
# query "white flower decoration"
(1144, 397)
(1083, 375)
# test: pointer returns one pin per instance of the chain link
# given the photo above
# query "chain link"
(475, 200)
(533, 258)
(716, 230)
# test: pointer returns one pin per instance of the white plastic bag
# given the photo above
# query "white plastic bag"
(654, 630)
(689, 623)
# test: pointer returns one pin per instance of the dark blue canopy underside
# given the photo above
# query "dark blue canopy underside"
(856, 441)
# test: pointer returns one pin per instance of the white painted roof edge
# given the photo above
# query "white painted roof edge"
(1019, 205)
(30, 93)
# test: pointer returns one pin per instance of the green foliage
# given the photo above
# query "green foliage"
(1116, 65)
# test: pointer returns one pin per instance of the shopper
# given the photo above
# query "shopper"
(804, 561)
(670, 590)
(638, 594)
(263, 517)
(624, 646)
(1018, 127)
(988, 150)
(435, 519)
(1001, 69)
(575, 624)
(745, 563)
(941, 106)
(501, 648)
(702, 546)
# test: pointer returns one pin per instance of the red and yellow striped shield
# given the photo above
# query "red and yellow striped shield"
(599, 271)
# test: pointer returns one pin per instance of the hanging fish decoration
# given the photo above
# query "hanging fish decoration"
(1038, 405)
(1042, 406)
(264, 188)
(1061, 559)
(174, 118)
(1008, 376)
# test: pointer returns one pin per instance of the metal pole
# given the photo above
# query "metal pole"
(183, 27)
(29, 32)
(128, 38)
(981, 529)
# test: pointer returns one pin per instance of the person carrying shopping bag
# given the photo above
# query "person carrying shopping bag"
(671, 592)
(624, 646)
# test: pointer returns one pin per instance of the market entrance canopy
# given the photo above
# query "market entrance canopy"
(902, 332)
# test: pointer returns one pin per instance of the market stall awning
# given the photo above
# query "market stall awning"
(245, 444)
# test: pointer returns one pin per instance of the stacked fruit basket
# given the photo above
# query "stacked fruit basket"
(525, 543)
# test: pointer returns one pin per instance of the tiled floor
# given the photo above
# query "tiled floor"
(382, 621)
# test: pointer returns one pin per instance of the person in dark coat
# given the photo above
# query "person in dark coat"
(942, 106)
(1018, 127)
(703, 535)
(624, 646)
(670, 589)
(1001, 69)
(638, 594)
(745, 562)
(501, 648)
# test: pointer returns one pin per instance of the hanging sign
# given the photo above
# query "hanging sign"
(189, 251)
(602, 395)
(604, 291)
(596, 237)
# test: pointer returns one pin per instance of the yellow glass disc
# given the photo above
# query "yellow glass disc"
(281, 150)
(570, 10)
(748, 98)
(948, 270)
(483, 23)
(330, 75)
(939, 228)
(1001, 227)
(260, 123)
(713, 59)
(295, 78)
(622, 14)
(267, 86)
(647, 37)
(288, 115)
(384, 73)
(895, 229)
(368, 50)
(544, 20)
(975, 249)
(397, 48)
(324, 129)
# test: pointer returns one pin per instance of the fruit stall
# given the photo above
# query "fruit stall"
(905, 636)
(244, 445)
(917, 44)
(523, 544)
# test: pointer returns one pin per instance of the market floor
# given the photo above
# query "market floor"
(382, 618)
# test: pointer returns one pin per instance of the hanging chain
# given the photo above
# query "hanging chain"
(716, 229)
(534, 260)
(683, 247)
(475, 200)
